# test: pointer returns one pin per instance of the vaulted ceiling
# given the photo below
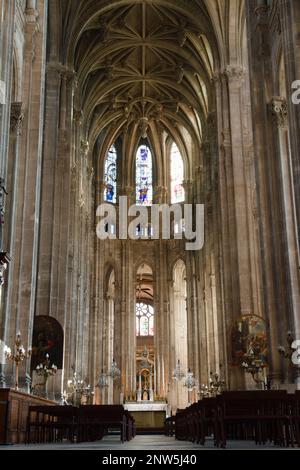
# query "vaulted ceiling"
(142, 66)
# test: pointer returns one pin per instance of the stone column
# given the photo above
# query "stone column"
(278, 109)
(26, 219)
(270, 189)
(289, 15)
(7, 12)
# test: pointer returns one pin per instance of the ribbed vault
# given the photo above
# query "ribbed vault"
(142, 68)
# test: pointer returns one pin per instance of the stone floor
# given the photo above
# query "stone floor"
(144, 442)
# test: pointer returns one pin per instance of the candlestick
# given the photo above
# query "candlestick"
(18, 356)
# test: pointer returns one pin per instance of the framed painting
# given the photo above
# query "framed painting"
(47, 338)
(249, 334)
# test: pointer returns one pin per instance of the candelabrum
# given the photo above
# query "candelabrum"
(215, 383)
(214, 386)
(203, 391)
(45, 370)
(80, 390)
(255, 366)
(114, 371)
(17, 357)
(178, 373)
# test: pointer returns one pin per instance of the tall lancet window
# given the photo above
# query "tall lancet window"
(110, 175)
(143, 169)
(144, 319)
(177, 175)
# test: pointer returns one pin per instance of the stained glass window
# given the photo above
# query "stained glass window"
(144, 188)
(110, 176)
(144, 319)
(177, 175)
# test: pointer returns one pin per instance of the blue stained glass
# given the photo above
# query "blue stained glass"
(144, 189)
(110, 176)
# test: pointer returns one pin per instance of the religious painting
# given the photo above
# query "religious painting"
(47, 339)
(249, 334)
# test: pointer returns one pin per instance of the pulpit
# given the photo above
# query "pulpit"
(14, 406)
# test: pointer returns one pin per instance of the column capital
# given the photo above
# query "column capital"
(234, 74)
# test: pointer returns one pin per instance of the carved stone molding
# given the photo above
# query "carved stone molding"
(16, 118)
(216, 76)
(278, 108)
(234, 74)
(84, 147)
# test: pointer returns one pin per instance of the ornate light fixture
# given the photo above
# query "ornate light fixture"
(17, 357)
(178, 373)
(46, 371)
(253, 365)
(114, 371)
(190, 381)
(204, 391)
(102, 382)
(79, 389)
(215, 383)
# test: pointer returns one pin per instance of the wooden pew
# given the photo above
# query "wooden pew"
(96, 420)
(51, 424)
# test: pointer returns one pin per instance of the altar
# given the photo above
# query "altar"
(148, 415)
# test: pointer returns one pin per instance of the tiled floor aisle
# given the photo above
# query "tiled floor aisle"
(139, 443)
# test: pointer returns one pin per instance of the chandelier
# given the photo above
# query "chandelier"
(17, 357)
(254, 365)
(46, 371)
(79, 389)
(190, 381)
(114, 371)
(178, 373)
(204, 391)
(43, 369)
(215, 383)
(102, 382)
